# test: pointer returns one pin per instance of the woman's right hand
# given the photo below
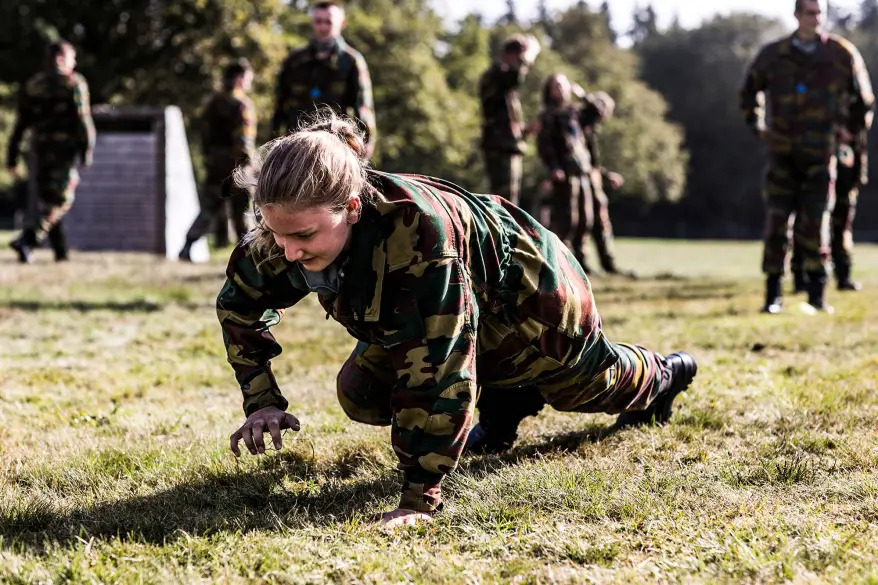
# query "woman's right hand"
(253, 429)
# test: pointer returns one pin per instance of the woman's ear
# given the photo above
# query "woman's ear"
(354, 209)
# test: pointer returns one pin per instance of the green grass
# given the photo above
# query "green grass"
(116, 404)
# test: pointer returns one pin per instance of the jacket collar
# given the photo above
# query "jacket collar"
(364, 276)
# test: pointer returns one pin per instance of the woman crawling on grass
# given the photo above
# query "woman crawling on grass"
(457, 301)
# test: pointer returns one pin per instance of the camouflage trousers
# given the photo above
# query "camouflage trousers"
(802, 189)
(55, 180)
(572, 214)
(602, 230)
(841, 222)
(629, 382)
(504, 174)
(217, 192)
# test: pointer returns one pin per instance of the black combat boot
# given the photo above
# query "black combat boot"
(24, 244)
(800, 281)
(186, 253)
(679, 371)
(816, 292)
(843, 276)
(500, 413)
(773, 295)
(58, 241)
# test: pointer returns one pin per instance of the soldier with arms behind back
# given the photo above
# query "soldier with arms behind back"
(818, 97)
(327, 72)
(54, 105)
(228, 140)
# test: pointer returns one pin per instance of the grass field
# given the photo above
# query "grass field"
(116, 404)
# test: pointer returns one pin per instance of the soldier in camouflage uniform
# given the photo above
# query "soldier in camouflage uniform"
(562, 147)
(819, 96)
(228, 136)
(503, 128)
(598, 107)
(852, 173)
(454, 299)
(55, 106)
(325, 73)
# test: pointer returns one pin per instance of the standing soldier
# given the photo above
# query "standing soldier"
(326, 72)
(503, 128)
(598, 107)
(853, 173)
(55, 105)
(819, 97)
(228, 136)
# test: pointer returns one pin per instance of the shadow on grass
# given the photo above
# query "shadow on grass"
(240, 502)
(136, 306)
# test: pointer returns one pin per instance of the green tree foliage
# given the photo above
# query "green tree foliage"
(678, 63)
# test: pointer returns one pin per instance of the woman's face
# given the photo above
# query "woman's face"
(559, 89)
(311, 236)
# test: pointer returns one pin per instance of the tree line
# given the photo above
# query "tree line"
(691, 166)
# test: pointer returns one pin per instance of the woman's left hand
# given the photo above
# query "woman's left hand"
(403, 517)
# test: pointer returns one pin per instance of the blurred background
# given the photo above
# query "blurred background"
(693, 170)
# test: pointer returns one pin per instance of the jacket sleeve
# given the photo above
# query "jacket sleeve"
(360, 88)
(862, 96)
(752, 94)
(85, 124)
(23, 120)
(435, 394)
(245, 130)
(249, 304)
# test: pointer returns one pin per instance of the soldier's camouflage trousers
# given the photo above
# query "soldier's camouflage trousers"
(217, 191)
(841, 221)
(572, 214)
(628, 383)
(504, 174)
(602, 230)
(804, 189)
(55, 181)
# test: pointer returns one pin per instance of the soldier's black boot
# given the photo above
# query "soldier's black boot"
(773, 295)
(816, 292)
(679, 371)
(24, 244)
(843, 276)
(800, 281)
(186, 253)
(499, 417)
(58, 241)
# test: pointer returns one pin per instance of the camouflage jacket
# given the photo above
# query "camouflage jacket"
(229, 127)
(502, 120)
(561, 142)
(462, 290)
(56, 108)
(341, 82)
(809, 96)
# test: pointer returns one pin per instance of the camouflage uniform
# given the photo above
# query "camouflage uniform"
(306, 83)
(55, 106)
(449, 294)
(229, 121)
(852, 173)
(561, 146)
(502, 129)
(602, 229)
(811, 96)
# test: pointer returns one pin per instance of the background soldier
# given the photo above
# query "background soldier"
(598, 107)
(228, 136)
(853, 173)
(819, 96)
(503, 128)
(54, 104)
(326, 72)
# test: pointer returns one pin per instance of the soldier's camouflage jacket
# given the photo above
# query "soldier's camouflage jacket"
(809, 96)
(56, 108)
(229, 130)
(341, 82)
(561, 142)
(462, 289)
(502, 118)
